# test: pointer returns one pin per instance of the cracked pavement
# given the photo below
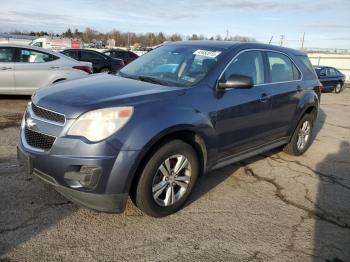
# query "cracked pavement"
(273, 207)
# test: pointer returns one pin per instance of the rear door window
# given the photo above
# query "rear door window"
(281, 68)
(249, 63)
(6, 54)
(73, 54)
(33, 56)
(331, 72)
(91, 56)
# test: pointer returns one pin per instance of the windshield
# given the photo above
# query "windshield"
(173, 65)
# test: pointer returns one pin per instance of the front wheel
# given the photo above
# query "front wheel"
(167, 179)
(338, 88)
(301, 138)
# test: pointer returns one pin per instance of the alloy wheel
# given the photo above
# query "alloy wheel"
(171, 180)
(338, 88)
(303, 135)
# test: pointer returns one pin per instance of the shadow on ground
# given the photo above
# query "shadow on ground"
(332, 207)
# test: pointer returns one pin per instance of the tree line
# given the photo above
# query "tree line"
(90, 35)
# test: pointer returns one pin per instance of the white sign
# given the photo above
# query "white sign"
(207, 53)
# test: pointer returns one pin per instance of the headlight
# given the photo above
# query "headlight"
(99, 124)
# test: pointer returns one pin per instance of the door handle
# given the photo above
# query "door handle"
(299, 88)
(264, 98)
(6, 68)
(54, 67)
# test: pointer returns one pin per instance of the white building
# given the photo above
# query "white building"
(16, 39)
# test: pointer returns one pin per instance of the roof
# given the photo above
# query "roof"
(32, 48)
(320, 66)
(232, 45)
(27, 37)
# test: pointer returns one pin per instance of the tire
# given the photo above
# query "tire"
(294, 147)
(105, 70)
(338, 88)
(154, 190)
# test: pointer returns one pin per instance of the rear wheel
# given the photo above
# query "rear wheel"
(105, 70)
(301, 138)
(338, 88)
(167, 179)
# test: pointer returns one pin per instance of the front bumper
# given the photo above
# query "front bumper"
(95, 175)
(114, 203)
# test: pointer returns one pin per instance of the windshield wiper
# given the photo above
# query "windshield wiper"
(154, 80)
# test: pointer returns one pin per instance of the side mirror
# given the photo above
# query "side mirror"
(236, 81)
(322, 74)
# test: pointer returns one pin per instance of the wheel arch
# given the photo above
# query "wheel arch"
(59, 80)
(185, 134)
(309, 109)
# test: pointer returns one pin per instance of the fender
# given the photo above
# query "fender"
(143, 136)
(309, 99)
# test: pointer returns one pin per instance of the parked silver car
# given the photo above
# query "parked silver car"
(23, 69)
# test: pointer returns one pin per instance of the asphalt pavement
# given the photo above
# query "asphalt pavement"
(273, 207)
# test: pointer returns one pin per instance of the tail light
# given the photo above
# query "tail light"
(86, 69)
(321, 87)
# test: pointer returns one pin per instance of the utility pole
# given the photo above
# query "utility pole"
(302, 41)
(282, 39)
(227, 34)
(270, 40)
(128, 41)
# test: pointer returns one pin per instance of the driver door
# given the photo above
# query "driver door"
(243, 116)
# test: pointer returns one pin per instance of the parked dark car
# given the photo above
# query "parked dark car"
(101, 63)
(125, 55)
(171, 115)
(144, 49)
(330, 78)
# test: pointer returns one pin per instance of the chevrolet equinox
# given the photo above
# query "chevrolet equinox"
(179, 111)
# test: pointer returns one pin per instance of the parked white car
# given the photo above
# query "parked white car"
(23, 69)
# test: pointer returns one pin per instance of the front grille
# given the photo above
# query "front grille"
(38, 140)
(47, 114)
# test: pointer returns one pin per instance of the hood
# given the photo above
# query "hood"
(75, 97)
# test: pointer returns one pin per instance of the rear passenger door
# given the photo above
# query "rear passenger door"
(98, 61)
(34, 69)
(333, 77)
(243, 115)
(325, 78)
(286, 90)
(7, 77)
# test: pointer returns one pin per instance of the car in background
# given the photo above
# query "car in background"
(125, 55)
(56, 43)
(101, 63)
(174, 113)
(330, 78)
(23, 69)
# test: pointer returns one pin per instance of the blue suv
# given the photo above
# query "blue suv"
(179, 111)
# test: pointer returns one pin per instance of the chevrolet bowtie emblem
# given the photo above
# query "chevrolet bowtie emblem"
(30, 123)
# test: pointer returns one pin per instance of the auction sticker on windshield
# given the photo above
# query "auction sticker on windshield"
(207, 53)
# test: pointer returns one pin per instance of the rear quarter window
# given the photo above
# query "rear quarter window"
(308, 70)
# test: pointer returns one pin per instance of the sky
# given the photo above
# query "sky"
(326, 23)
